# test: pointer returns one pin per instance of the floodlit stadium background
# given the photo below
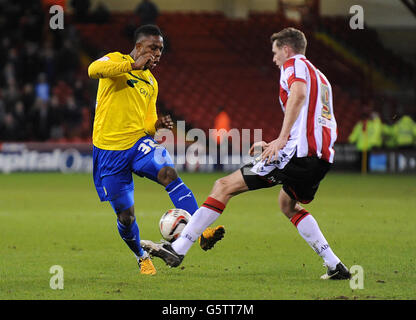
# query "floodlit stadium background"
(217, 54)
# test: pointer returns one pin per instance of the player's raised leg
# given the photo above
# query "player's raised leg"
(224, 189)
(183, 198)
(309, 230)
(158, 166)
(154, 162)
(179, 193)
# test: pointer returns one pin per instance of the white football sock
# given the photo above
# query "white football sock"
(309, 230)
(200, 220)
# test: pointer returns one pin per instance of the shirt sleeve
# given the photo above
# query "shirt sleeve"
(108, 67)
(295, 70)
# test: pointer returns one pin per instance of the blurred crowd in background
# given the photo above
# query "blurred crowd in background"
(45, 94)
(42, 91)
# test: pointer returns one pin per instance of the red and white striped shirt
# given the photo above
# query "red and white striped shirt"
(315, 130)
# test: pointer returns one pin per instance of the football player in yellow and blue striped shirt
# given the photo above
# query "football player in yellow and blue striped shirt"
(125, 122)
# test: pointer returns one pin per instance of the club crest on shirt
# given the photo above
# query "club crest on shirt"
(326, 113)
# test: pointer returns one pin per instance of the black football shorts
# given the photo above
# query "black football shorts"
(300, 177)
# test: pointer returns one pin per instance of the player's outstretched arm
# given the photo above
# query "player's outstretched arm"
(298, 91)
(107, 68)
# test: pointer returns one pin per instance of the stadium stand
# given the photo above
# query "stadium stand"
(210, 61)
(219, 61)
(43, 85)
(358, 42)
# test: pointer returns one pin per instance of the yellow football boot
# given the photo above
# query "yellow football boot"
(146, 266)
(210, 237)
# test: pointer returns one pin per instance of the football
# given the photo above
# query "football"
(172, 223)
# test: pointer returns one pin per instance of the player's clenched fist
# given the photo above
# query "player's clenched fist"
(164, 122)
(144, 57)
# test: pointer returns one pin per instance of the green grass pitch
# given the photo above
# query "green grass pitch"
(55, 219)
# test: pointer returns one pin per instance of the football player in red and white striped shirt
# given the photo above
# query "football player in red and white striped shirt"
(298, 159)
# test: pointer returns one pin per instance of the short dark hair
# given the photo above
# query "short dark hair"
(147, 30)
(291, 37)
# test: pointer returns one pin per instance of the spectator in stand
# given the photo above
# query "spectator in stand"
(81, 10)
(7, 128)
(147, 12)
(30, 62)
(367, 133)
(47, 57)
(130, 27)
(222, 124)
(20, 120)
(40, 120)
(8, 73)
(2, 112)
(404, 131)
(31, 23)
(28, 96)
(101, 14)
(79, 93)
(389, 138)
(42, 88)
(11, 94)
(67, 61)
(56, 119)
(34, 64)
(72, 116)
(62, 90)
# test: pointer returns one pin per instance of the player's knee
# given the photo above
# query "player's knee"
(287, 205)
(223, 186)
(126, 217)
(167, 175)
